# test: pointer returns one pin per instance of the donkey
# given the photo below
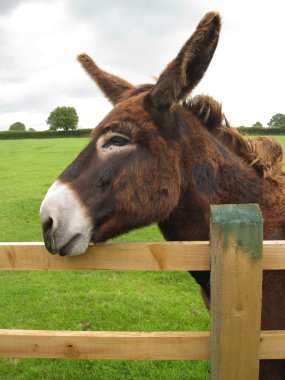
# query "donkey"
(156, 158)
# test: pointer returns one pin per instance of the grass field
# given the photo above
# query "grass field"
(114, 301)
(110, 301)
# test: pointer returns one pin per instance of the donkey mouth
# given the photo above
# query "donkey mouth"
(77, 245)
(69, 247)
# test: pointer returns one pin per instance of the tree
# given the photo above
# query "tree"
(18, 126)
(277, 120)
(32, 130)
(63, 118)
(257, 125)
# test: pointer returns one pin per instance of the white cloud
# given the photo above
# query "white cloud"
(39, 42)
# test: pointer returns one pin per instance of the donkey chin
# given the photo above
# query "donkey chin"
(67, 228)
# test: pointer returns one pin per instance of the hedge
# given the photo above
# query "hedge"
(13, 135)
(262, 131)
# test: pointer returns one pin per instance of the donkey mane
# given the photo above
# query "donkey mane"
(264, 154)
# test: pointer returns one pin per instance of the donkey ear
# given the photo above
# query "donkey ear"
(112, 86)
(186, 70)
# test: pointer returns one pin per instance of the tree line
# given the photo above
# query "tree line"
(277, 121)
(61, 118)
(66, 119)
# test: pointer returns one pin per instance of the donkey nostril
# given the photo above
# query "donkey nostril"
(47, 226)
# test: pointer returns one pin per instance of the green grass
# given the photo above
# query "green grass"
(281, 139)
(110, 301)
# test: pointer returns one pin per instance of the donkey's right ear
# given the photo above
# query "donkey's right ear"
(112, 86)
(187, 69)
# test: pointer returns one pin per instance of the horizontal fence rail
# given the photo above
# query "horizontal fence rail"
(123, 345)
(177, 256)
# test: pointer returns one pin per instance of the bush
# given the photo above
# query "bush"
(261, 131)
(15, 135)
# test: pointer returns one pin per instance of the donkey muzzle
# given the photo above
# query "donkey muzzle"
(66, 226)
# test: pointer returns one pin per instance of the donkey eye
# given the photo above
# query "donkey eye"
(116, 141)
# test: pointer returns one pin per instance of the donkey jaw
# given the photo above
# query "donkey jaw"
(67, 228)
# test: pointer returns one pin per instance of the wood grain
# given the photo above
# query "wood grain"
(123, 345)
(127, 256)
(105, 345)
(236, 252)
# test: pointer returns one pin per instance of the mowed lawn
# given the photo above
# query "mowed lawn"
(106, 301)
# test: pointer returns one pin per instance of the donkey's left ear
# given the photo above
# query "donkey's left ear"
(111, 85)
(187, 69)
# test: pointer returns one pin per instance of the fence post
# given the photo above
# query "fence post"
(236, 236)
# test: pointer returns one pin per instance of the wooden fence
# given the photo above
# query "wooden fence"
(235, 343)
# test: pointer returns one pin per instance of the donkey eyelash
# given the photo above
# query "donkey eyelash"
(112, 141)
(117, 141)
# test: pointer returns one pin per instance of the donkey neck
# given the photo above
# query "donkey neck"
(210, 174)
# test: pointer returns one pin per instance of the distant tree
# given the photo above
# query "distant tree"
(257, 125)
(18, 126)
(63, 118)
(277, 120)
(32, 130)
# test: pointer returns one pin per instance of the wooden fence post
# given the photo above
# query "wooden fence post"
(236, 291)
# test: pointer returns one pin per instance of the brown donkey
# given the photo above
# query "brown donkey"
(155, 158)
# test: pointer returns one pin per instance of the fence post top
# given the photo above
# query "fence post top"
(241, 223)
(236, 213)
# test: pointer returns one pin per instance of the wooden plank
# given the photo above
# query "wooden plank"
(123, 345)
(274, 254)
(117, 256)
(105, 345)
(127, 256)
(236, 291)
(272, 345)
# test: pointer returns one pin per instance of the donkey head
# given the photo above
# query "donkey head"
(131, 173)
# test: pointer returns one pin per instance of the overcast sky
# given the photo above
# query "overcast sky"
(39, 41)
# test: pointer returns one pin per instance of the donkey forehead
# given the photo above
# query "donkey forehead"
(127, 116)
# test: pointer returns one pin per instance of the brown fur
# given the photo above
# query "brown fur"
(177, 161)
(108, 83)
(190, 60)
(263, 153)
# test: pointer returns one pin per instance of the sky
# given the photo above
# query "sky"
(39, 42)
